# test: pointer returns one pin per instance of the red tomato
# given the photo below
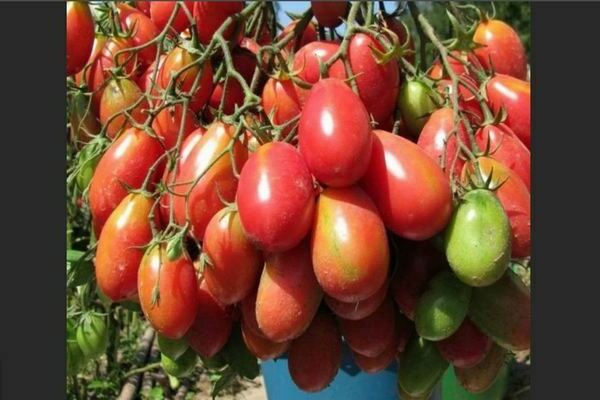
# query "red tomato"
(212, 327)
(515, 200)
(309, 35)
(177, 60)
(143, 30)
(315, 357)
(115, 50)
(280, 102)
(169, 121)
(503, 50)
(276, 197)
(261, 347)
(233, 97)
(507, 149)
(244, 62)
(210, 15)
(329, 13)
(515, 95)
(144, 6)
(248, 310)
(437, 70)
(161, 11)
(360, 309)
(80, 35)
(146, 79)
(306, 64)
(467, 347)
(399, 169)
(438, 140)
(126, 161)
(372, 365)
(235, 263)
(467, 101)
(377, 83)
(404, 37)
(418, 263)
(350, 251)
(93, 76)
(288, 294)
(174, 311)
(119, 251)
(118, 96)
(334, 134)
(211, 181)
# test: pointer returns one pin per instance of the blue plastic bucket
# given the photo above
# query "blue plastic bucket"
(349, 384)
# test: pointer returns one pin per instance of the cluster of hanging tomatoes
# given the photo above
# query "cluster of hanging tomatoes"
(308, 191)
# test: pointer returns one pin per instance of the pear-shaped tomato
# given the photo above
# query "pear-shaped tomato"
(501, 50)
(308, 35)
(399, 169)
(206, 173)
(76, 360)
(377, 81)
(120, 245)
(93, 76)
(142, 30)
(315, 357)
(92, 335)
(505, 147)
(80, 35)
(276, 197)
(421, 368)
(437, 70)
(178, 63)
(467, 347)
(477, 239)
(84, 125)
(260, 346)
(440, 139)
(210, 15)
(115, 51)
(161, 12)
(235, 264)
(150, 77)
(334, 134)
(482, 376)
(167, 290)
(416, 101)
(515, 199)
(350, 251)
(288, 294)
(515, 96)
(329, 13)
(168, 124)
(360, 309)
(212, 327)
(467, 100)
(280, 102)
(119, 96)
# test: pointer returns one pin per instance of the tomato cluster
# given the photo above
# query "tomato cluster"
(307, 192)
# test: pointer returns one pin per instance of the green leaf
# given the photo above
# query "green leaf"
(238, 356)
(222, 382)
(79, 268)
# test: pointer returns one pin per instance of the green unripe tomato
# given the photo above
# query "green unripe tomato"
(416, 101)
(92, 335)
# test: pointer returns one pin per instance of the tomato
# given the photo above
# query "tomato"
(248, 311)
(480, 378)
(502, 48)
(172, 348)
(334, 134)
(443, 306)
(84, 125)
(119, 251)
(93, 76)
(276, 197)
(168, 123)
(92, 335)
(210, 15)
(121, 95)
(261, 347)
(478, 239)
(182, 366)
(420, 369)
(507, 149)
(80, 35)
(467, 347)
(128, 60)
(404, 37)
(416, 101)
(467, 101)
(437, 70)
(89, 157)
(161, 11)
(234, 97)
(280, 102)
(177, 60)
(288, 294)
(377, 83)
(306, 64)
(439, 140)
(329, 13)
(370, 336)
(372, 365)
(174, 310)
(212, 327)
(149, 80)
(244, 62)
(515, 96)
(126, 161)
(211, 181)
(419, 262)
(143, 31)
(515, 199)
(235, 263)
(360, 309)
(308, 35)
(399, 169)
(350, 252)
(143, 6)
(315, 357)
(76, 360)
